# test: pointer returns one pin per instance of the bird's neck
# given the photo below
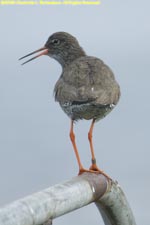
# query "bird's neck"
(66, 57)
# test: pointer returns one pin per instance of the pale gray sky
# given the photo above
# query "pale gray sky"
(35, 148)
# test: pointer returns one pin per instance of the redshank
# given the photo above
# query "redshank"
(86, 89)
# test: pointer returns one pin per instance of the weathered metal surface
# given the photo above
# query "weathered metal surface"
(43, 207)
(114, 206)
(55, 201)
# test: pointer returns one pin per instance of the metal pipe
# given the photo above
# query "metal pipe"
(44, 206)
(55, 201)
(114, 206)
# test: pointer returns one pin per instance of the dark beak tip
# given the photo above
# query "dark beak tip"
(45, 52)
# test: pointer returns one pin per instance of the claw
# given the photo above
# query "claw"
(93, 169)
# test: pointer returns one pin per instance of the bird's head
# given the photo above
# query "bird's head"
(61, 46)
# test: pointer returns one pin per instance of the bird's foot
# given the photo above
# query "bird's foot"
(82, 170)
(93, 169)
(96, 169)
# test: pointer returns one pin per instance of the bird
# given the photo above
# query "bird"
(86, 89)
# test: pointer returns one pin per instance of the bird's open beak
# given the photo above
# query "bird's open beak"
(45, 52)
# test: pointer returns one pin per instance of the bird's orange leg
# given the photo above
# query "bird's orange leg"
(94, 166)
(72, 137)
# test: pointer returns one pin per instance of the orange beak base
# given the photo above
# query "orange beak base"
(45, 52)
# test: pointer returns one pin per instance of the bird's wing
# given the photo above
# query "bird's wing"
(85, 80)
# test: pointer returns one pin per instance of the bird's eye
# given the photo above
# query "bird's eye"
(55, 41)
